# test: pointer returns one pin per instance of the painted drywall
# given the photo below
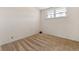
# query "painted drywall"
(18, 22)
(66, 27)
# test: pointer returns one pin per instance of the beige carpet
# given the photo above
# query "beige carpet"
(42, 42)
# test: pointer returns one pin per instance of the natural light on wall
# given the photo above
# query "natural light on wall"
(56, 12)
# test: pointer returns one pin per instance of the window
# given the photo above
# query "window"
(57, 12)
(51, 14)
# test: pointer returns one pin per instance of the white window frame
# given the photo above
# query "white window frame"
(54, 13)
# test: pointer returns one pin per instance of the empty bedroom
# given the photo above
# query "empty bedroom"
(39, 28)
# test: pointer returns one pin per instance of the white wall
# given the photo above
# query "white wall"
(67, 27)
(18, 22)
